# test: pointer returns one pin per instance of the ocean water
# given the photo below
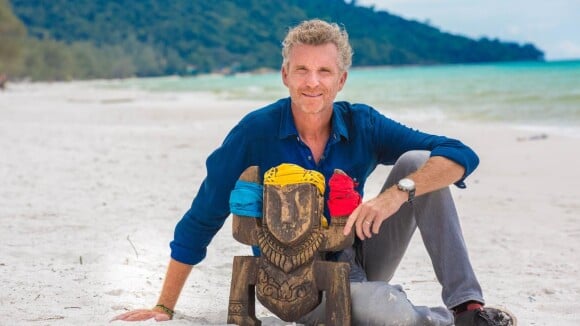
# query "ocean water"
(521, 93)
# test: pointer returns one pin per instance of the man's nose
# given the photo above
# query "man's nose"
(312, 79)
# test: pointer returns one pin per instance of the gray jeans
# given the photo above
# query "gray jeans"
(376, 302)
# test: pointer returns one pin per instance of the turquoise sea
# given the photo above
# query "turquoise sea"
(522, 93)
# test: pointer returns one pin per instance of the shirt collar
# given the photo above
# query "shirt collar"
(288, 128)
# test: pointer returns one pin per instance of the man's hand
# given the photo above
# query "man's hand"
(143, 314)
(177, 273)
(368, 216)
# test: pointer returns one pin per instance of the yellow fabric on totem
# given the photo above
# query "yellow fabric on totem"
(323, 222)
(287, 173)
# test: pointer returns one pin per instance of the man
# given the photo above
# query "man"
(311, 130)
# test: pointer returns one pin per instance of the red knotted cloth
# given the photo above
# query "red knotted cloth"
(342, 198)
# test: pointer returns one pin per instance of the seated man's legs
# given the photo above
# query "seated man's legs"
(381, 304)
(436, 217)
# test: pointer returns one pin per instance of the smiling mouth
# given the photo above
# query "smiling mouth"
(312, 95)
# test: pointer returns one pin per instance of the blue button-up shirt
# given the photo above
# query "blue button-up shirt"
(360, 139)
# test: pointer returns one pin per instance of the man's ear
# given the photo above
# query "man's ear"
(342, 80)
(284, 74)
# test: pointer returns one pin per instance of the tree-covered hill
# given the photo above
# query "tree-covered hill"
(12, 31)
(158, 37)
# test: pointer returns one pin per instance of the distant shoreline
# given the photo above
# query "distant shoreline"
(443, 94)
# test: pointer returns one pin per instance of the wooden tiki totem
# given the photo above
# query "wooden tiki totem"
(289, 277)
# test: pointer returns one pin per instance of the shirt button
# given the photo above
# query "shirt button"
(309, 158)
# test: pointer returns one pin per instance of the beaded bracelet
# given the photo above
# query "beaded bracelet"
(166, 310)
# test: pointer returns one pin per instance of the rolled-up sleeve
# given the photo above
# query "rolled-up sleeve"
(460, 154)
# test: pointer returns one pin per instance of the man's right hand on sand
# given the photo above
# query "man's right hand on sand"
(142, 314)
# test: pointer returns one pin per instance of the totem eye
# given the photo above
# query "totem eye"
(275, 199)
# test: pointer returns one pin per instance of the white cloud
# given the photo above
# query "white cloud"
(568, 49)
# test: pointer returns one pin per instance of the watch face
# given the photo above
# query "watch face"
(407, 184)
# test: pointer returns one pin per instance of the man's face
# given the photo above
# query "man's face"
(313, 77)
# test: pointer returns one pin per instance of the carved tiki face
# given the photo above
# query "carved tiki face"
(292, 211)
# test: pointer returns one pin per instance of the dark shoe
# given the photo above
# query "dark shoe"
(487, 317)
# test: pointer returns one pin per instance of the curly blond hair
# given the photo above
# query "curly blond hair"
(319, 32)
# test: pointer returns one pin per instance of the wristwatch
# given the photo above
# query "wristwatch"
(407, 185)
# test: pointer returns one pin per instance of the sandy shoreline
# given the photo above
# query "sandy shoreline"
(92, 182)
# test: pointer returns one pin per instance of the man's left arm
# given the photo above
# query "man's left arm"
(438, 172)
(450, 162)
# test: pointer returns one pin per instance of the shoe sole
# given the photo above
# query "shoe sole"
(507, 312)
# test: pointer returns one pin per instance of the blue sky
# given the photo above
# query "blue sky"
(552, 25)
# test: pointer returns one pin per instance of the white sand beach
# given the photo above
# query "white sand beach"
(93, 181)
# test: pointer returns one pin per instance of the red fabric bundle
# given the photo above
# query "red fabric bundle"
(342, 198)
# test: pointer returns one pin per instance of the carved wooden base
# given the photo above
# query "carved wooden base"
(288, 296)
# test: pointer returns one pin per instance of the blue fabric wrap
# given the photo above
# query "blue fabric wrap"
(256, 251)
(246, 199)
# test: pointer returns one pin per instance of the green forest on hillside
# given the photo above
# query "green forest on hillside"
(81, 39)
